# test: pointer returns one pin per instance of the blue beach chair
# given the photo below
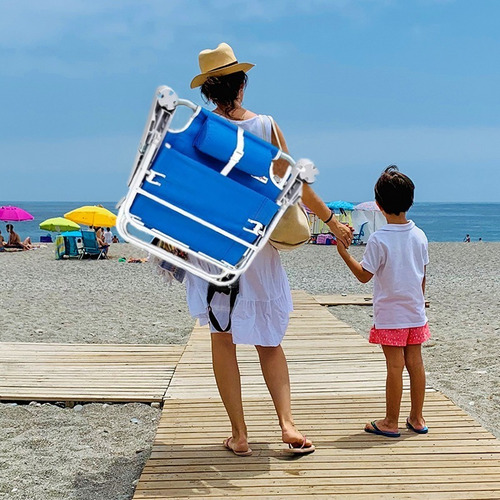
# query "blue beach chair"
(356, 238)
(207, 191)
(90, 245)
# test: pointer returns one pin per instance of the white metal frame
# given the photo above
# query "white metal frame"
(160, 117)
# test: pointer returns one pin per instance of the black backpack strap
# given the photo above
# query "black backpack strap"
(232, 291)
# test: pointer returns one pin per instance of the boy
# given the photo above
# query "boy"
(397, 256)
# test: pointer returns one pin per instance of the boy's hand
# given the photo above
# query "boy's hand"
(341, 231)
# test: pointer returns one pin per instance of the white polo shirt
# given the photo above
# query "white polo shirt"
(396, 255)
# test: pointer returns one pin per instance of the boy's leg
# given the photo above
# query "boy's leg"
(415, 367)
(395, 361)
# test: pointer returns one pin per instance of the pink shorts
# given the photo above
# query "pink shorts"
(400, 337)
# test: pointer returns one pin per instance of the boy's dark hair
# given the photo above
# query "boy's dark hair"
(394, 191)
(224, 90)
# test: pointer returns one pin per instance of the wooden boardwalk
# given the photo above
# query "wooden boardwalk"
(86, 372)
(338, 384)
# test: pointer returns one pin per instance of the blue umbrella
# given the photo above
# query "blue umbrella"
(337, 205)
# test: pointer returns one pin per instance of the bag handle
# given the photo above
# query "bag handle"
(275, 132)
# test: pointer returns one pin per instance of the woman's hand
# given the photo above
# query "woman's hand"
(342, 232)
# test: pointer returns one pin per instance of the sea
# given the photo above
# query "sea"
(440, 221)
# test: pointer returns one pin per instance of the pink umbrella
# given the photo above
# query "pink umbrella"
(14, 214)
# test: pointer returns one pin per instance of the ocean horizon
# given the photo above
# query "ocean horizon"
(441, 221)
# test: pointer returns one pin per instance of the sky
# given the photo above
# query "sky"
(355, 85)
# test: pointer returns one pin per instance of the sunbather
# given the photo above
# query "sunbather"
(15, 240)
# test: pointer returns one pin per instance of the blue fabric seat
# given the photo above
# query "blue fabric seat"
(90, 245)
(187, 176)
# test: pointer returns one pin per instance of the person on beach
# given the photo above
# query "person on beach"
(261, 312)
(108, 236)
(15, 240)
(397, 255)
(2, 240)
(467, 238)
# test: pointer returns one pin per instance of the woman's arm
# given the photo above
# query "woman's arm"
(310, 198)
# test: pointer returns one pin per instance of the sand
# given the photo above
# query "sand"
(97, 451)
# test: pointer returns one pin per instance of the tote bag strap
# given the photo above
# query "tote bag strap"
(275, 132)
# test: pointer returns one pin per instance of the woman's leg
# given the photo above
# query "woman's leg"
(275, 371)
(415, 367)
(227, 376)
(395, 361)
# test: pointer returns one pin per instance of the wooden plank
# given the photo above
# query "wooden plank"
(86, 372)
(347, 300)
(338, 384)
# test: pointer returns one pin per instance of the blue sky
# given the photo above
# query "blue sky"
(355, 85)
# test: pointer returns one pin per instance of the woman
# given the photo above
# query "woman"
(261, 312)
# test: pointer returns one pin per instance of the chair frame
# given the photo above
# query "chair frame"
(165, 103)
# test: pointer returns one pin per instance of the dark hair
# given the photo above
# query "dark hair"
(224, 90)
(9, 226)
(394, 191)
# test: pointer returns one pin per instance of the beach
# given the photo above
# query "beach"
(97, 451)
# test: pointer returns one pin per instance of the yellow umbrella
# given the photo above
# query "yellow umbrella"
(92, 216)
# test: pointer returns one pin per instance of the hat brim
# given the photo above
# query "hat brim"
(200, 79)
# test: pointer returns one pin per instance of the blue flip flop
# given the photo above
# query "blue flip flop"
(424, 430)
(380, 432)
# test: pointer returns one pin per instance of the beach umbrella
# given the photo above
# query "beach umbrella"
(367, 206)
(14, 214)
(368, 211)
(59, 224)
(92, 215)
(339, 204)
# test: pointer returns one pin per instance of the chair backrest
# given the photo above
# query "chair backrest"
(90, 244)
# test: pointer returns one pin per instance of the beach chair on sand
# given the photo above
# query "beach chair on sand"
(90, 246)
(207, 192)
(356, 237)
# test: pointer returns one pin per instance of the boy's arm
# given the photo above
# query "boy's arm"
(423, 281)
(362, 274)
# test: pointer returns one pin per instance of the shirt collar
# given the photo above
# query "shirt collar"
(398, 227)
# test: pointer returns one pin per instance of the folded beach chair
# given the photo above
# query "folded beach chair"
(206, 191)
(90, 245)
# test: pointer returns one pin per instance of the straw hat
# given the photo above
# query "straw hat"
(218, 62)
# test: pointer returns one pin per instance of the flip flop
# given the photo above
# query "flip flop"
(423, 430)
(380, 432)
(301, 450)
(238, 453)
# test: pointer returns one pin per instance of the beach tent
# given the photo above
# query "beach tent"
(367, 212)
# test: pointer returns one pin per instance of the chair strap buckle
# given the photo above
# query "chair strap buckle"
(151, 177)
(258, 228)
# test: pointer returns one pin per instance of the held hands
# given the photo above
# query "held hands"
(342, 232)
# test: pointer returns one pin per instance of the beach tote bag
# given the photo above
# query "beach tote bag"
(293, 229)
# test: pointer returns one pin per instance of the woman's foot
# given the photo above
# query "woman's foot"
(296, 441)
(239, 447)
(382, 428)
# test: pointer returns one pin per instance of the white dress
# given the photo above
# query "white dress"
(261, 312)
